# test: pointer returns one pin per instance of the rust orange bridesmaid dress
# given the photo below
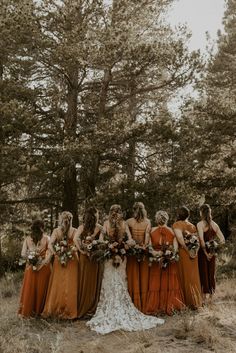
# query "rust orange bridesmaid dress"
(138, 272)
(188, 270)
(35, 283)
(61, 300)
(164, 295)
(89, 283)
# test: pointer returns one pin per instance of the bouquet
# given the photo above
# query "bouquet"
(115, 250)
(192, 242)
(132, 248)
(64, 251)
(33, 258)
(165, 256)
(96, 250)
(213, 246)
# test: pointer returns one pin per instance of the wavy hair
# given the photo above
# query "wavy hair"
(140, 212)
(37, 230)
(65, 222)
(183, 213)
(206, 213)
(89, 221)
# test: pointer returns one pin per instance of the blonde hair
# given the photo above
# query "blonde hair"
(161, 218)
(140, 212)
(65, 221)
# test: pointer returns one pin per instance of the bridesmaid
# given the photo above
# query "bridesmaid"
(61, 301)
(138, 272)
(90, 273)
(35, 282)
(187, 264)
(164, 295)
(207, 230)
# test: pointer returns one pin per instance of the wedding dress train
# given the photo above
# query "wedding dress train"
(115, 309)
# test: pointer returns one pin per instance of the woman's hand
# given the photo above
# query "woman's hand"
(43, 263)
(209, 256)
(192, 254)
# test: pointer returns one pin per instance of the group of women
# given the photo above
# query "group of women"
(129, 296)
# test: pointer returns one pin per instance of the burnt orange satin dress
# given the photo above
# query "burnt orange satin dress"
(164, 295)
(34, 288)
(188, 271)
(61, 301)
(138, 273)
(89, 284)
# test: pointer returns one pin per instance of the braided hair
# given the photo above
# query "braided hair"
(161, 218)
(116, 220)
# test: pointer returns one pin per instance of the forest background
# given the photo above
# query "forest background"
(86, 107)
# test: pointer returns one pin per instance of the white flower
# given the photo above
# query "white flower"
(131, 242)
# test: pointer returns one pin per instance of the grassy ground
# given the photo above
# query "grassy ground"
(211, 329)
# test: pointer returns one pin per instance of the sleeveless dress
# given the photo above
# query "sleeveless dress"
(164, 293)
(138, 273)
(115, 309)
(89, 284)
(61, 301)
(188, 271)
(207, 268)
(35, 285)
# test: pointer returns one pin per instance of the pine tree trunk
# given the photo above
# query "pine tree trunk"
(70, 199)
(132, 146)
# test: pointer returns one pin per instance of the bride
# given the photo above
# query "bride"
(115, 309)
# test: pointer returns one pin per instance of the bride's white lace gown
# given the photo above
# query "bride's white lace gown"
(115, 309)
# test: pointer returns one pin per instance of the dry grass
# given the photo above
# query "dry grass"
(211, 329)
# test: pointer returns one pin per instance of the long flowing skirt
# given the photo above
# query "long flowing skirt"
(34, 291)
(89, 285)
(189, 279)
(138, 277)
(115, 309)
(207, 270)
(61, 301)
(164, 294)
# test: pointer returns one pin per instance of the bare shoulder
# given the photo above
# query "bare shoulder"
(214, 225)
(129, 221)
(153, 229)
(170, 230)
(46, 238)
(200, 224)
(177, 225)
